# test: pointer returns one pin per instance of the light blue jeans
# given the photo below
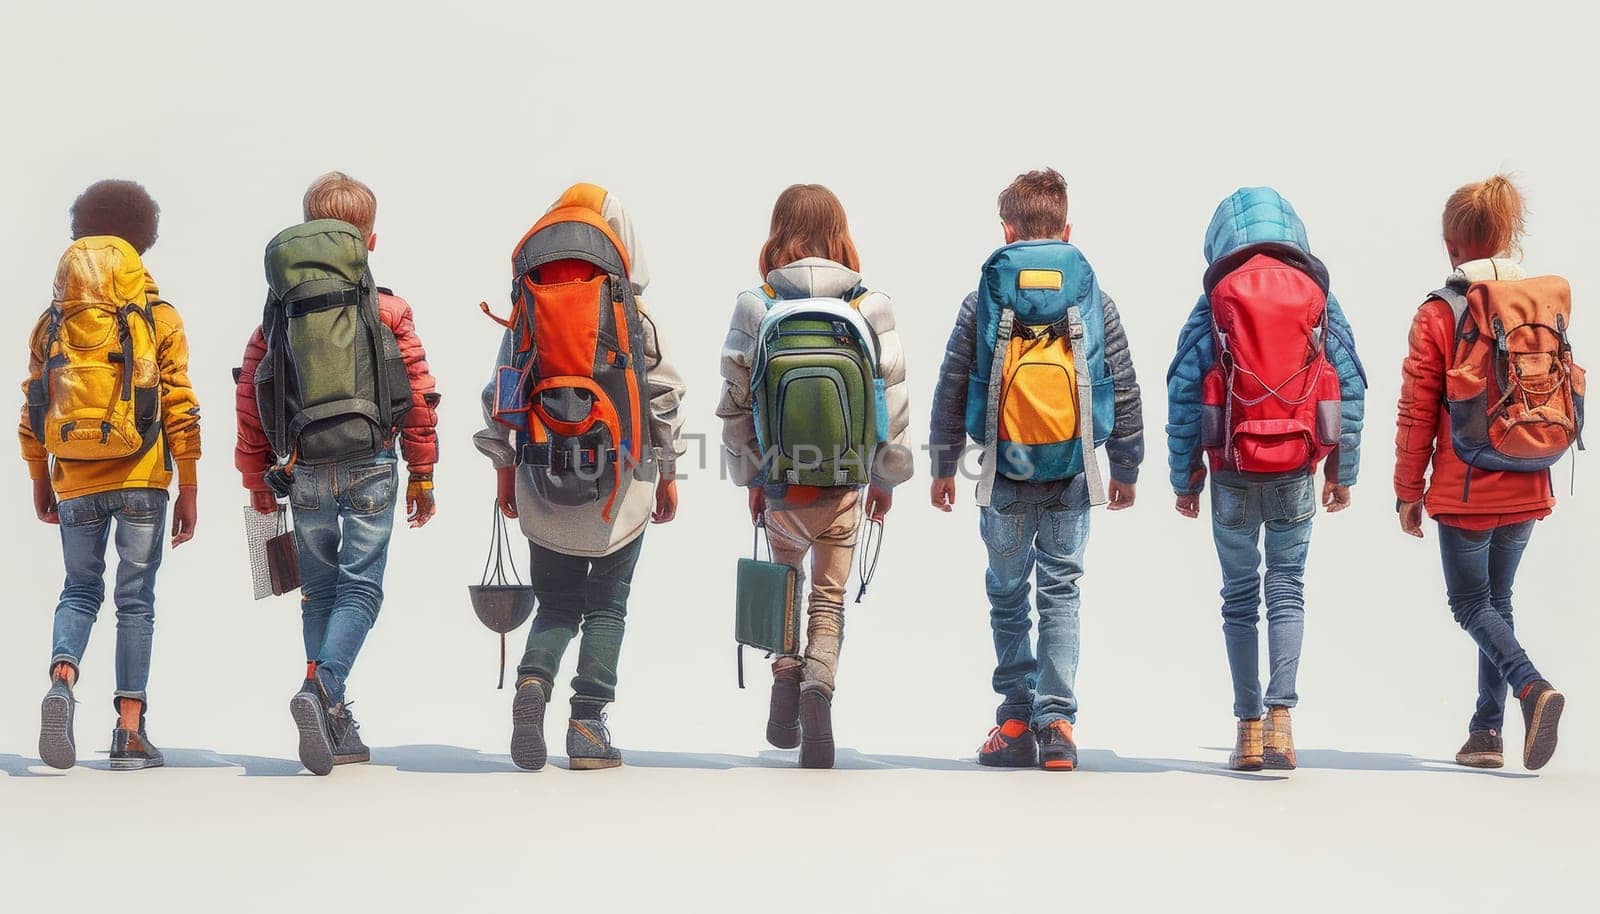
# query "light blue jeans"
(1241, 507)
(139, 517)
(1039, 530)
(343, 517)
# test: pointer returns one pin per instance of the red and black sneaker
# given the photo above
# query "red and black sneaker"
(1057, 751)
(1010, 745)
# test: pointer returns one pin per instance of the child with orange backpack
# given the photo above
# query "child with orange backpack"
(583, 427)
(1266, 383)
(109, 410)
(1491, 398)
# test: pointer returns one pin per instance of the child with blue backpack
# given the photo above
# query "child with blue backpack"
(1038, 373)
(814, 408)
(1267, 383)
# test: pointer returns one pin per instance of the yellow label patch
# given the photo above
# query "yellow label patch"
(1039, 279)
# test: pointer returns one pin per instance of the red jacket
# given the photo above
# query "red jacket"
(419, 440)
(1423, 436)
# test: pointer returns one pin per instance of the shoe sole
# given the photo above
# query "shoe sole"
(1246, 765)
(1060, 764)
(1007, 763)
(316, 744)
(56, 747)
(353, 758)
(1278, 761)
(528, 749)
(1541, 744)
(816, 727)
(1481, 759)
(783, 737)
(593, 764)
(136, 764)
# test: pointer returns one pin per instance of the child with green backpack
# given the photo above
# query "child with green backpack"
(333, 378)
(814, 408)
(1038, 373)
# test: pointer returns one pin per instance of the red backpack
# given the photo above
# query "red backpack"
(1271, 402)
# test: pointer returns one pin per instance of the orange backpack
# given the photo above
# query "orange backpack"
(573, 389)
(1514, 393)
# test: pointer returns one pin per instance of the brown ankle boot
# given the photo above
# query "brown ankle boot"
(1247, 747)
(1277, 740)
(783, 720)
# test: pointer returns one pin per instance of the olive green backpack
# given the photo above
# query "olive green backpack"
(333, 385)
(819, 403)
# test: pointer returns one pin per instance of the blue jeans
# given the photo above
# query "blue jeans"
(1479, 568)
(86, 523)
(1241, 505)
(1042, 529)
(343, 516)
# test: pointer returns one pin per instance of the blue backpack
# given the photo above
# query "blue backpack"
(1039, 399)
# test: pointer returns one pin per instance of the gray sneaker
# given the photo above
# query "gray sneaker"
(348, 749)
(56, 747)
(316, 734)
(589, 745)
(132, 750)
(527, 726)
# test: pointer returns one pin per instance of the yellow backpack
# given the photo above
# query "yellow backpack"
(99, 394)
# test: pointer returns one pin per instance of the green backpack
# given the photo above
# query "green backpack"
(333, 385)
(819, 403)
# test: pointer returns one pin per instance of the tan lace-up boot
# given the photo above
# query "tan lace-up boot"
(1277, 740)
(1247, 747)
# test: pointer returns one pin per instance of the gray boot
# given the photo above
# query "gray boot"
(816, 726)
(56, 746)
(589, 745)
(527, 725)
(348, 749)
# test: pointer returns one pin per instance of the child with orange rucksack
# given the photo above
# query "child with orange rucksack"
(1490, 397)
(583, 427)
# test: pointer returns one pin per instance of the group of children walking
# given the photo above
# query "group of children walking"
(583, 426)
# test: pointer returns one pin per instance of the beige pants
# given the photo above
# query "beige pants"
(825, 527)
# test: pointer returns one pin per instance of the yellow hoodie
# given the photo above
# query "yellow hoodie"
(99, 266)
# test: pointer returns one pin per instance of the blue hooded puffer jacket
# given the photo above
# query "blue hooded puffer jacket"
(1254, 216)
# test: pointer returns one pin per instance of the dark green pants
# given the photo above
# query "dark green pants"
(578, 594)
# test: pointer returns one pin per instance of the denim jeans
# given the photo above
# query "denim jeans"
(580, 594)
(1479, 568)
(139, 516)
(1039, 529)
(1241, 506)
(343, 517)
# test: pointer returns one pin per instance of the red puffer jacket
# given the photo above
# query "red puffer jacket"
(419, 440)
(1423, 436)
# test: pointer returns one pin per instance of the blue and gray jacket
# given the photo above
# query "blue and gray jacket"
(1254, 216)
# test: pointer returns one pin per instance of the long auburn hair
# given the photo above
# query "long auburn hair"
(808, 221)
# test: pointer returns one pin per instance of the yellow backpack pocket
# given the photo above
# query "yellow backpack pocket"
(1039, 389)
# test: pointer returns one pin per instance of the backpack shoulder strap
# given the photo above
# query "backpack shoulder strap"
(1455, 298)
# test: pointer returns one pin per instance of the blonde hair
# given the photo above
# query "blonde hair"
(336, 195)
(1035, 205)
(1486, 216)
(808, 221)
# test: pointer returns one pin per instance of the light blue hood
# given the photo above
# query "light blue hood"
(1254, 215)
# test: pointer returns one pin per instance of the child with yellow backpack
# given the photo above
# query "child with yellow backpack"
(109, 411)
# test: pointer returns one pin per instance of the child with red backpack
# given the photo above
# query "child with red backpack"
(1491, 398)
(583, 427)
(1266, 383)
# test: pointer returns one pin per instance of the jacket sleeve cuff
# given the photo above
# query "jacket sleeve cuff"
(188, 472)
(1124, 474)
(1408, 492)
(39, 469)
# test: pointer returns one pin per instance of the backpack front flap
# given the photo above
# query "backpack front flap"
(574, 392)
(99, 396)
(1024, 394)
(817, 397)
(1271, 403)
(1514, 393)
(333, 385)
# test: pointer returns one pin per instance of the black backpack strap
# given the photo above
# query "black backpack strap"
(1456, 298)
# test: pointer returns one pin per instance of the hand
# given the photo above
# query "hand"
(666, 501)
(758, 504)
(263, 501)
(1335, 498)
(943, 493)
(505, 493)
(44, 502)
(184, 513)
(1411, 518)
(420, 506)
(879, 501)
(1120, 495)
(1189, 505)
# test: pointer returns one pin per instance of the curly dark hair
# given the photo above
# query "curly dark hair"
(121, 208)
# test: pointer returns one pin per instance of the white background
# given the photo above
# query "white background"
(467, 120)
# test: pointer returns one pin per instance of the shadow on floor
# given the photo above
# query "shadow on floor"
(1341, 760)
(853, 760)
(18, 767)
(440, 759)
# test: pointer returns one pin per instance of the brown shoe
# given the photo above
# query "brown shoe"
(1483, 749)
(1277, 740)
(1247, 747)
(783, 719)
